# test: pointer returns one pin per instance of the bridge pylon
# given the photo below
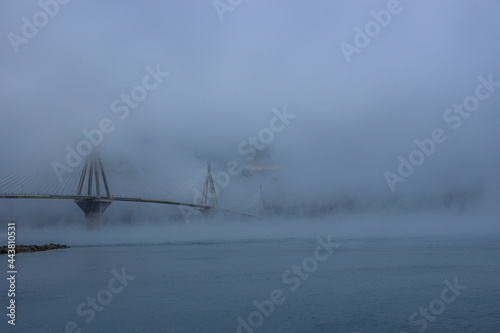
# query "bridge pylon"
(261, 205)
(93, 207)
(209, 193)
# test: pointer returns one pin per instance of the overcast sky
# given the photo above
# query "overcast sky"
(353, 118)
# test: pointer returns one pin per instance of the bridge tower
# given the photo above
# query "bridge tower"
(209, 189)
(261, 205)
(93, 207)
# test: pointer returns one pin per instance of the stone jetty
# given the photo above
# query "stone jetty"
(34, 248)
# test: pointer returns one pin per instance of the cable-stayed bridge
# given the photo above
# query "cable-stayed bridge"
(93, 189)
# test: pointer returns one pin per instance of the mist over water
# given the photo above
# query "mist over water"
(347, 226)
(371, 124)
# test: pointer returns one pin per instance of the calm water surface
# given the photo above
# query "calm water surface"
(365, 285)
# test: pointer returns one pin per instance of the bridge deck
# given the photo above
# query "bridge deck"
(165, 202)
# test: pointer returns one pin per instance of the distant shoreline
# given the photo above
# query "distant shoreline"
(34, 248)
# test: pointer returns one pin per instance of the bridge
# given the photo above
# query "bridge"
(93, 190)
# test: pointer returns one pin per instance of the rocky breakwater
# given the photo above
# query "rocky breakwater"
(34, 248)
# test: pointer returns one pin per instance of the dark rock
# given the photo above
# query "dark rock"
(34, 248)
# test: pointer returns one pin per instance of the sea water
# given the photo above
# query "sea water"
(250, 281)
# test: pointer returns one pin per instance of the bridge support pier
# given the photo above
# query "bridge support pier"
(93, 209)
